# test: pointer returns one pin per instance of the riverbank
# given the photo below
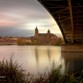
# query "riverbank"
(72, 47)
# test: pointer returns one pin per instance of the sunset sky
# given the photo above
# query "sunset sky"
(20, 17)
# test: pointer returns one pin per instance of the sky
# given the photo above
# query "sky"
(20, 18)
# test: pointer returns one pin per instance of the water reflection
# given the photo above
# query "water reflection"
(46, 55)
(33, 58)
(49, 55)
(74, 60)
(40, 58)
(36, 56)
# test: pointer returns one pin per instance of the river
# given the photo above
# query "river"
(36, 59)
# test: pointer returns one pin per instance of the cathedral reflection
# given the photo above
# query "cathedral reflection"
(45, 56)
(36, 56)
(49, 55)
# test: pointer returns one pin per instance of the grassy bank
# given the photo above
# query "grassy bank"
(11, 72)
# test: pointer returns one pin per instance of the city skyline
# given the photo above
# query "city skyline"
(20, 17)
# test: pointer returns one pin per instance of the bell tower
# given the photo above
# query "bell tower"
(36, 32)
(48, 32)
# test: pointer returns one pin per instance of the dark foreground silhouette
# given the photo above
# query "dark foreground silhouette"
(11, 72)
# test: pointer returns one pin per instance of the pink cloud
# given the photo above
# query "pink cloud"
(10, 19)
(6, 23)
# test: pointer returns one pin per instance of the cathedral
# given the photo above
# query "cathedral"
(44, 38)
(37, 34)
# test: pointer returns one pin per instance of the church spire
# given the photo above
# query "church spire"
(36, 27)
(48, 31)
(36, 31)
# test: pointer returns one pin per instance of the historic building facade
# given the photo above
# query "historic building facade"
(44, 38)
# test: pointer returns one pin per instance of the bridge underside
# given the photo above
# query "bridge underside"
(69, 16)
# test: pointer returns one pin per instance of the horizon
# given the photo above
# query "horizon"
(33, 34)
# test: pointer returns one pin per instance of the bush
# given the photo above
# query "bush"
(11, 72)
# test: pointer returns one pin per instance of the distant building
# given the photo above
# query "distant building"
(44, 38)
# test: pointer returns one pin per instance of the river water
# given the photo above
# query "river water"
(36, 59)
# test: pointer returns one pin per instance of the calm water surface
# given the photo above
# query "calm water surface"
(40, 58)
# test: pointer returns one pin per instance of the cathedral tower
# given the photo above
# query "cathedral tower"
(48, 32)
(36, 32)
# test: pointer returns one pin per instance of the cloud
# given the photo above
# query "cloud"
(22, 16)
(10, 31)
(19, 11)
